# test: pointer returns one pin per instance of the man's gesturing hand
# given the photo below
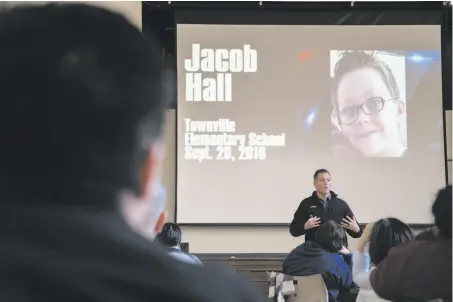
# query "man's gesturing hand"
(312, 223)
(350, 224)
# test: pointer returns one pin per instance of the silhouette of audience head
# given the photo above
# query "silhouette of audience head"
(170, 235)
(386, 234)
(82, 116)
(442, 211)
(331, 236)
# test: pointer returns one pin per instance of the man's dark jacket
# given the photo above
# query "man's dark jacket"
(52, 253)
(333, 208)
(310, 259)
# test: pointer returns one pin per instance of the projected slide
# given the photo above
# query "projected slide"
(260, 108)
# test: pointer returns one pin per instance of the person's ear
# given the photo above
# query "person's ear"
(160, 222)
(401, 108)
(334, 119)
(149, 171)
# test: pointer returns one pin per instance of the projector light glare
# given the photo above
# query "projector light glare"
(311, 117)
(416, 58)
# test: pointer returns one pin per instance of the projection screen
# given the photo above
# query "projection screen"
(261, 107)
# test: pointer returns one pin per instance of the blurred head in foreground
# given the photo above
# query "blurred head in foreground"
(442, 211)
(83, 98)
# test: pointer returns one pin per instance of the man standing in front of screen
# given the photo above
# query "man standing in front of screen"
(323, 205)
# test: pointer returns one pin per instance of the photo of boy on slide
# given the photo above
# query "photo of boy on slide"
(369, 111)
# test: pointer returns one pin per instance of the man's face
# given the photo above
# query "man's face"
(375, 134)
(322, 183)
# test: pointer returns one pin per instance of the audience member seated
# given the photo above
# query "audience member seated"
(324, 255)
(378, 239)
(170, 237)
(420, 270)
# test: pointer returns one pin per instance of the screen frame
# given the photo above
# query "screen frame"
(316, 17)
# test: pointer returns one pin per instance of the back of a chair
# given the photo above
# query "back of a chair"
(310, 289)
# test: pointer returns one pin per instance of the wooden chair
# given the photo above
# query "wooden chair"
(309, 289)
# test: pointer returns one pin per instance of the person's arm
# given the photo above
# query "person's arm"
(297, 228)
(361, 269)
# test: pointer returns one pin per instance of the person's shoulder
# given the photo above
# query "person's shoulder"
(221, 284)
(195, 259)
(421, 248)
(182, 281)
(414, 253)
(339, 200)
(407, 247)
(336, 197)
(307, 200)
(339, 259)
(106, 256)
(335, 263)
(183, 257)
(158, 276)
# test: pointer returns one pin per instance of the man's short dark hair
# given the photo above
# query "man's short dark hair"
(331, 236)
(353, 60)
(171, 235)
(320, 171)
(442, 211)
(83, 100)
(386, 234)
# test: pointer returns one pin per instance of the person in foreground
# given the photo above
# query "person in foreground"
(420, 270)
(83, 100)
(323, 205)
(431, 233)
(170, 237)
(378, 239)
(324, 255)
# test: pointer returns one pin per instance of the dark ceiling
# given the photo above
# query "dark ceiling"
(158, 16)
